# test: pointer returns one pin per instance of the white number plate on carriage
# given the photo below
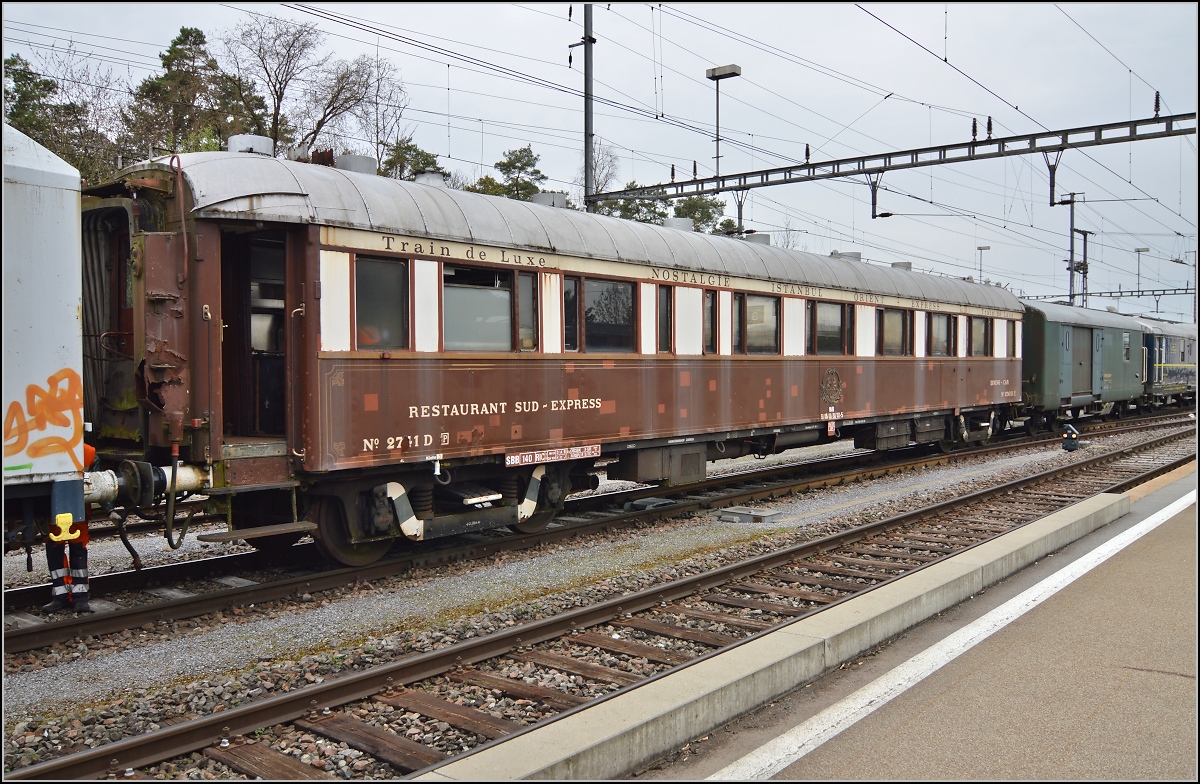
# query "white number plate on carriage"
(552, 455)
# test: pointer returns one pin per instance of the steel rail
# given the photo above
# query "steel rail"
(187, 736)
(1112, 427)
(166, 574)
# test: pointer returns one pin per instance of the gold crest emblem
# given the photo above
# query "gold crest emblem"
(831, 387)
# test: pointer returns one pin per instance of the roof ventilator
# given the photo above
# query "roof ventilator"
(362, 164)
(436, 179)
(246, 142)
(550, 199)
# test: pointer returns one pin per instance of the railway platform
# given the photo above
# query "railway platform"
(990, 664)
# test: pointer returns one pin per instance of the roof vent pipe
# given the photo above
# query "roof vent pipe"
(904, 265)
(683, 224)
(246, 142)
(758, 238)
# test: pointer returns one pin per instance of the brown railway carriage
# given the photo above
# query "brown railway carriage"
(372, 359)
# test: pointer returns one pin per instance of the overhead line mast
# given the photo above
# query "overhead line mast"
(589, 136)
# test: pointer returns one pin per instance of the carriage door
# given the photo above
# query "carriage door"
(1160, 351)
(254, 331)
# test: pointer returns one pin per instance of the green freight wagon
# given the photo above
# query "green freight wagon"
(1079, 362)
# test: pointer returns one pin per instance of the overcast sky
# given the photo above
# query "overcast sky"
(844, 79)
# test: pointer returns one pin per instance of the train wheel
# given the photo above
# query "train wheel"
(333, 537)
(534, 524)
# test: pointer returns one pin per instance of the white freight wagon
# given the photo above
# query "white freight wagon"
(43, 339)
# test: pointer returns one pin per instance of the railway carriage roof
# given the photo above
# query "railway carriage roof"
(1168, 327)
(255, 187)
(1067, 314)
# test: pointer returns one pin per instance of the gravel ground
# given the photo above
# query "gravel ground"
(88, 693)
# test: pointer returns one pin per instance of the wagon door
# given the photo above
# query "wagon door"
(1065, 365)
(1081, 361)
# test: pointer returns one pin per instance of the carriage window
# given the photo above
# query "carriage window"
(892, 333)
(1012, 340)
(527, 323)
(478, 309)
(664, 318)
(941, 335)
(828, 328)
(710, 322)
(981, 333)
(739, 305)
(381, 303)
(762, 325)
(608, 316)
(571, 314)
(266, 296)
(1125, 345)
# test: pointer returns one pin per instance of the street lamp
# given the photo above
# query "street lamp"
(981, 249)
(717, 74)
(1139, 252)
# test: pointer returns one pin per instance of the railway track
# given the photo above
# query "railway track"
(101, 526)
(212, 585)
(615, 644)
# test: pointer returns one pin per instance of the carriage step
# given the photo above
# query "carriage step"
(252, 533)
(472, 494)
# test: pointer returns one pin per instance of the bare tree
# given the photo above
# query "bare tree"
(380, 115)
(313, 99)
(606, 167)
(83, 111)
(789, 237)
(278, 55)
(457, 180)
(330, 100)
